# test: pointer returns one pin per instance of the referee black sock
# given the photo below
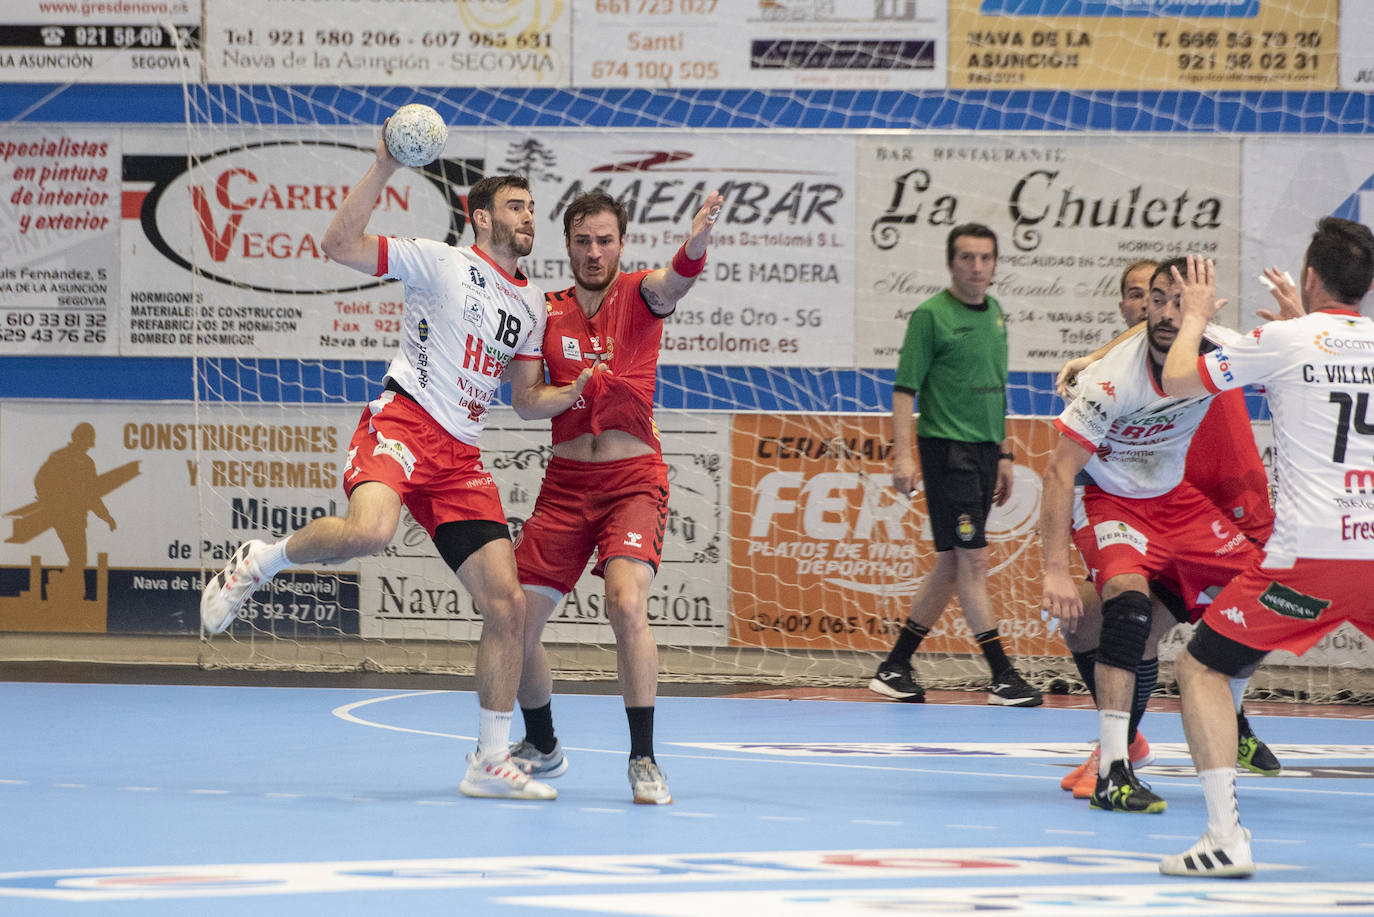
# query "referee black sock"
(641, 731)
(990, 642)
(539, 727)
(1087, 670)
(908, 639)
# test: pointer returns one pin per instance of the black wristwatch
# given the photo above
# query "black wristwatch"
(1006, 455)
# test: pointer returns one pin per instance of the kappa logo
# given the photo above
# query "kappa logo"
(1234, 615)
(1109, 388)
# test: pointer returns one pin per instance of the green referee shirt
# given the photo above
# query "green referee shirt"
(954, 359)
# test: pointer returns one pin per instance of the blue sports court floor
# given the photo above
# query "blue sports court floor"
(122, 799)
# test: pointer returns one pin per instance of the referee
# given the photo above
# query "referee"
(955, 357)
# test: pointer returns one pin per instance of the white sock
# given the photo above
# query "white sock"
(1238, 686)
(272, 559)
(1219, 792)
(493, 733)
(1112, 726)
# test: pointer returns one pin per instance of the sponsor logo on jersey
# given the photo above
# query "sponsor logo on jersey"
(1224, 365)
(572, 348)
(395, 449)
(964, 527)
(476, 277)
(1359, 481)
(1340, 346)
(1114, 532)
(472, 312)
(1292, 604)
(423, 330)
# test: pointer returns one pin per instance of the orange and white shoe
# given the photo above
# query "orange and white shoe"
(1139, 751)
(1084, 774)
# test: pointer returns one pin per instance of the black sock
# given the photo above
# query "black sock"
(641, 731)
(539, 727)
(1146, 677)
(991, 644)
(908, 640)
(1087, 670)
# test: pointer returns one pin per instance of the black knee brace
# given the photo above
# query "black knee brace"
(1125, 629)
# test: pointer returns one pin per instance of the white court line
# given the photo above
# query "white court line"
(346, 712)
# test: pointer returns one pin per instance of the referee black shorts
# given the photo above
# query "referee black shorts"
(959, 480)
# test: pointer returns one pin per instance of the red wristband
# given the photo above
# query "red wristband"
(685, 266)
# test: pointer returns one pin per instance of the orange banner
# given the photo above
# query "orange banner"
(825, 555)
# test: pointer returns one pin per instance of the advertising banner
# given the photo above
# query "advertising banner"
(1143, 44)
(222, 252)
(828, 556)
(113, 510)
(778, 284)
(100, 41)
(59, 240)
(409, 593)
(1070, 212)
(775, 44)
(388, 42)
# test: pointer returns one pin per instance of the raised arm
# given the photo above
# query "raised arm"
(346, 240)
(664, 287)
(1198, 302)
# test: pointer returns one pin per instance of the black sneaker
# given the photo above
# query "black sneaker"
(1122, 791)
(1011, 690)
(895, 680)
(1251, 753)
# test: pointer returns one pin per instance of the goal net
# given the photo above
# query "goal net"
(788, 558)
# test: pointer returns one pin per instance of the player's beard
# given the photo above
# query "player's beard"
(596, 286)
(1155, 342)
(504, 237)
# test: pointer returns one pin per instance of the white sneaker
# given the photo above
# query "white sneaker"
(1211, 858)
(501, 778)
(227, 590)
(537, 764)
(647, 783)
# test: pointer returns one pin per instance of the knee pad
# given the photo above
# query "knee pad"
(1125, 630)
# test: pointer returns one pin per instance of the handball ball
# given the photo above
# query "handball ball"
(415, 135)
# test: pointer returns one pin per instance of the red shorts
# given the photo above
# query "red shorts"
(438, 477)
(1180, 539)
(1291, 608)
(618, 509)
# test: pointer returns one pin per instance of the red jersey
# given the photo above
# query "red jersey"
(625, 335)
(1224, 464)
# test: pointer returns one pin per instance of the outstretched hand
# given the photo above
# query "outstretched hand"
(702, 222)
(1285, 293)
(1198, 282)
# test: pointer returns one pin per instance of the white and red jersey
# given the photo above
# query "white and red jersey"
(464, 319)
(1318, 372)
(625, 335)
(1138, 435)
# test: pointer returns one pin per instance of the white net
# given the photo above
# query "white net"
(787, 557)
